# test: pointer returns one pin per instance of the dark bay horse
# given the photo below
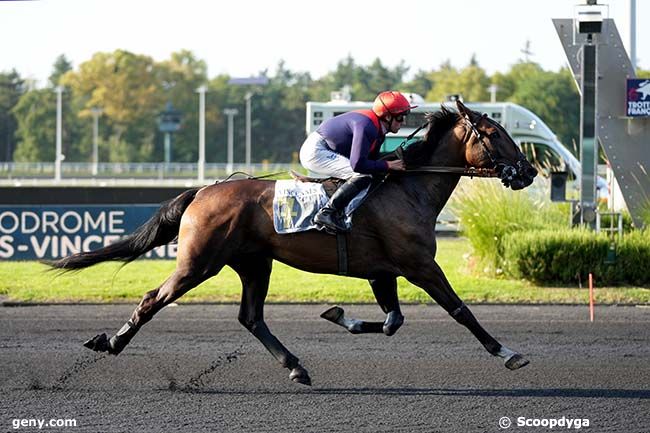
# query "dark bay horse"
(231, 223)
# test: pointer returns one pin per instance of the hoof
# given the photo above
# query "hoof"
(393, 322)
(300, 375)
(99, 343)
(334, 314)
(516, 361)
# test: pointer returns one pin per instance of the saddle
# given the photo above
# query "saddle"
(330, 184)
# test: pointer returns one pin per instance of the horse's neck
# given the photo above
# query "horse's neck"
(450, 151)
(437, 188)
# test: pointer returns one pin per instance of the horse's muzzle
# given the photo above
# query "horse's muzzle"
(517, 177)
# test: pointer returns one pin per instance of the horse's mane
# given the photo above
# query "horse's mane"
(440, 122)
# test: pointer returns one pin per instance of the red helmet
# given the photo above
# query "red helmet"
(391, 103)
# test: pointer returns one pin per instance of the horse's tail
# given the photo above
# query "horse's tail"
(161, 229)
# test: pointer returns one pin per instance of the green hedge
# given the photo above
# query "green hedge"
(565, 256)
(488, 212)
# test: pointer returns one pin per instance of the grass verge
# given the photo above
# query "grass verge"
(31, 282)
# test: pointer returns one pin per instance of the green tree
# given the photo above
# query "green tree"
(643, 73)
(181, 76)
(443, 82)
(280, 111)
(61, 66)
(12, 86)
(471, 82)
(506, 85)
(421, 84)
(365, 82)
(382, 78)
(36, 116)
(551, 95)
(126, 87)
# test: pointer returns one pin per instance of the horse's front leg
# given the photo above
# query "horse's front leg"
(255, 273)
(385, 290)
(432, 280)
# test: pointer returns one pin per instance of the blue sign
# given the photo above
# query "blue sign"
(53, 232)
(638, 97)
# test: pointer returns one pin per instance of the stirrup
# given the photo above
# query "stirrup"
(331, 222)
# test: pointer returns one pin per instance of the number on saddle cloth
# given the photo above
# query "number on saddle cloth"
(295, 204)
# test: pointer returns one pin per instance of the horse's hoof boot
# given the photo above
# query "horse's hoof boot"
(392, 323)
(334, 314)
(516, 361)
(300, 375)
(99, 343)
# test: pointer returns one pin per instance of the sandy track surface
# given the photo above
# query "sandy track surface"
(194, 368)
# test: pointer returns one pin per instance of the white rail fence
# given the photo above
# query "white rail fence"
(114, 173)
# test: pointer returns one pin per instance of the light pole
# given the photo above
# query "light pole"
(230, 112)
(59, 133)
(96, 112)
(493, 88)
(251, 81)
(248, 97)
(169, 121)
(201, 91)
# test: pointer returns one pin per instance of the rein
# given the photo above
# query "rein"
(462, 171)
(249, 176)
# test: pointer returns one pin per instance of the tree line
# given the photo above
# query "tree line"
(132, 90)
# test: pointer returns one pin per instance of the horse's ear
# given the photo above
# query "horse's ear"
(462, 109)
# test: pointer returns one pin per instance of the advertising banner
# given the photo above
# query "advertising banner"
(52, 232)
(638, 97)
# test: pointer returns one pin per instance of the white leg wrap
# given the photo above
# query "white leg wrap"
(506, 353)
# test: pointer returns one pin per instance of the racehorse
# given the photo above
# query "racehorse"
(231, 223)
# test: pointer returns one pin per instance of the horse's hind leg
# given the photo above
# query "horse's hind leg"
(435, 283)
(180, 282)
(385, 291)
(254, 273)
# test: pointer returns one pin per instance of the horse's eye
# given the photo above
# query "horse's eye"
(494, 135)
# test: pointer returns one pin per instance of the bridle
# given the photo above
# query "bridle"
(503, 170)
(506, 172)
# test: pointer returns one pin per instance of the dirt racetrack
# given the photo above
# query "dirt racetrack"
(194, 368)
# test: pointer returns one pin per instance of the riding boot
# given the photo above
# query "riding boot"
(332, 217)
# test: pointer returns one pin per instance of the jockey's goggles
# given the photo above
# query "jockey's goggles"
(400, 117)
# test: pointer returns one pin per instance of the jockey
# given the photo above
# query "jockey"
(347, 147)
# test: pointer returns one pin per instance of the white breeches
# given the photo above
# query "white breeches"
(321, 161)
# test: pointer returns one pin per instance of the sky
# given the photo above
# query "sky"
(243, 37)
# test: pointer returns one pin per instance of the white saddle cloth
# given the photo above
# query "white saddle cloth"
(296, 203)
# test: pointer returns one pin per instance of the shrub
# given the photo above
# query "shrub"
(568, 255)
(607, 221)
(633, 253)
(488, 212)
